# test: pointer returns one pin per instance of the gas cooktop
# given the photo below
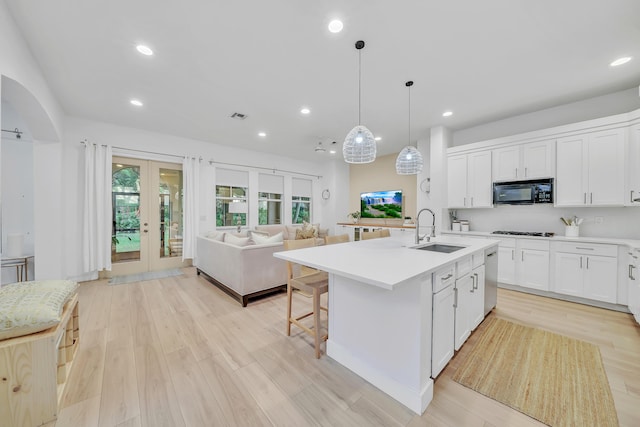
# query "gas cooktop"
(524, 233)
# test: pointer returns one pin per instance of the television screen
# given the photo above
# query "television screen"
(381, 204)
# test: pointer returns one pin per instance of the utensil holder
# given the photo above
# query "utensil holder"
(572, 231)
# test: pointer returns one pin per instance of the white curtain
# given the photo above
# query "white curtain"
(96, 217)
(190, 206)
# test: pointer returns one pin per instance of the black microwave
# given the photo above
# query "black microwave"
(528, 192)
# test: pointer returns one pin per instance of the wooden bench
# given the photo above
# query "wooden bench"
(34, 370)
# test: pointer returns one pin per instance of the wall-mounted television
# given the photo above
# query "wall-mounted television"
(381, 204)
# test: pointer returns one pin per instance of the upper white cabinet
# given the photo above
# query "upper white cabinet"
(632, 189)
(590, 169)
(524, 161)
(469, 180)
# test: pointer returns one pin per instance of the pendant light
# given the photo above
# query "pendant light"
(409, 161)
(359, 145)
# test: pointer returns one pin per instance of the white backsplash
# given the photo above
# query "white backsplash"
(622, 223)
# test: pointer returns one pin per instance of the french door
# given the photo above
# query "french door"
(146, 216)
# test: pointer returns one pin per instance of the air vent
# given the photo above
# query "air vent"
(238, 116)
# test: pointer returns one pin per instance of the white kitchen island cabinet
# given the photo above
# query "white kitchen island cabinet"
(380, 309)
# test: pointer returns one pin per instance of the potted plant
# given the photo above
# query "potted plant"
(355, 216)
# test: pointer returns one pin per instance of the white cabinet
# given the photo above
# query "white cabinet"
(477, 305)
(524, 161)
(586, 270)
(443, 329)
(345, 229)
(507, 261)
(443, 321)
(532, 265)
(590, 169)
(634, 284)
(469, 180)
(463, 308)
(632, 189)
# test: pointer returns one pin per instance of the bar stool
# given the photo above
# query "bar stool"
(366, 235)
(310, 283)
(340, 238)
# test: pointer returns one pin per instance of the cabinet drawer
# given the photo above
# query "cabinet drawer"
(535, 244)
(463, 266)
(586, 248)
(444, 277)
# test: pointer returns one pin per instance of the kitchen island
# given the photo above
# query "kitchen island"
(380, 308)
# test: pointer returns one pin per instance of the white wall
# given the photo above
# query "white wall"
(593, 108)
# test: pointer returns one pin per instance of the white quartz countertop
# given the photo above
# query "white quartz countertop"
(631, 243)
(385, 262)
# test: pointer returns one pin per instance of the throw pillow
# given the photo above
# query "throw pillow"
(262, 240)
(216, 235)
(238, 241)
(305, 233)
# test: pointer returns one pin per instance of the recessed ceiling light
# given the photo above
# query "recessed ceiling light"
(620, 61)
(145, 50)
(305, 110)
(335, 26)
(378, 138)
(119, 165)
(332, 151)
(262, 134)
(136, 102)
(447, 114)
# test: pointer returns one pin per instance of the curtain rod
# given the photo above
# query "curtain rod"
(142, 151)
(274, 170)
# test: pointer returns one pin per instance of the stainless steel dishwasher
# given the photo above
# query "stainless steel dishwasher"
(490, 279)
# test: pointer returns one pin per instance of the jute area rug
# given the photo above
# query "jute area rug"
(557, 380)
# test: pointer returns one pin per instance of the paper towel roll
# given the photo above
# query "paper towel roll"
(15, 242)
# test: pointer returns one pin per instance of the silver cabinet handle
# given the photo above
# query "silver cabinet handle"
(447, 277)
(464, 201)
(522, 256)
(476, 281)
(455, 297)
(631, 197)
(512, 254)
(525, 172)
(591, 198)
(516, 172)
(631, 267)
(587, 263)
(585, 198)
(472, 201)
(585, 249)
(580, 262)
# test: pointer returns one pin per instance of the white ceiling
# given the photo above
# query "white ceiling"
(484, 60)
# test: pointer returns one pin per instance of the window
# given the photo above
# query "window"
(301, 201)
(300, 209)
(225, 195)
(269, 208)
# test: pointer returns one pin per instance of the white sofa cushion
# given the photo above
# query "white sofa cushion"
(261, 240)
(237, 241)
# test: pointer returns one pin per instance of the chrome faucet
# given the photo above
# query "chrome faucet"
(433, 226)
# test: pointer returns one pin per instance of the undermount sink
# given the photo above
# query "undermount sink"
(438, 247)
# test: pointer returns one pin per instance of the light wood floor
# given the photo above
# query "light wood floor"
(179, 352)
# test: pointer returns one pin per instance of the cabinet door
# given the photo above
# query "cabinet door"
(442, 336)
(601, 278)
(605, 165)
(537, 160)
(457, 181)
(464, 304)
(533, 271)
(632, 195)
(506, 266)
(477, 308)
(506, 162)
(479, 188)
(568, 273)
(570, 185)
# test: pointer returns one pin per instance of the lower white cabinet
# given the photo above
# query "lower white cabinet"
(464, 308)
(532, 269)
(477, 306)
(507, 261)
(588, 271)
(443, 329)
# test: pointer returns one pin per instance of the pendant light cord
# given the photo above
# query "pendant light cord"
(359, 83)
(409, 115)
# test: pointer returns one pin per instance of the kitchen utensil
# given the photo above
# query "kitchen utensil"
(565, 221)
